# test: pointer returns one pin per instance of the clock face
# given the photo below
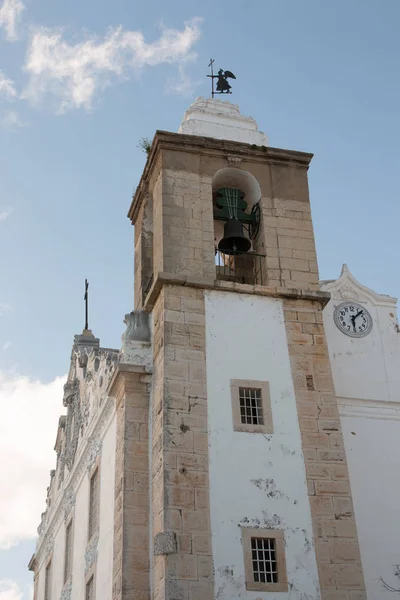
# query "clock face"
(353, 319)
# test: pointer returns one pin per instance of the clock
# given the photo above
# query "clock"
(352, 319)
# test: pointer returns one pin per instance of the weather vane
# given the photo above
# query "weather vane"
(86, 298)
(223, 86)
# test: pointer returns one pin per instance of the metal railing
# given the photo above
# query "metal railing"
(241, 268)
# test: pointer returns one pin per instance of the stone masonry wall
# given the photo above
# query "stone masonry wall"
(188, 226)
(335, 533)
(131, 577)
(291, 259)
(180, 485)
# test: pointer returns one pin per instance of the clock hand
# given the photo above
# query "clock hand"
(360, 312)
(353, 320)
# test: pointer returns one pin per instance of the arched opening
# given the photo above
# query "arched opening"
(236, 195)
(231, 177)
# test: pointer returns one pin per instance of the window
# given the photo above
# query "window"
(94, 503)
(264, 559)
(47, 582)
(251, 406)
(251, 410)
(90, 589)
(68, 551)
(263, 554)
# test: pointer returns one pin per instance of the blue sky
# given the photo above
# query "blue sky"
(79, 87)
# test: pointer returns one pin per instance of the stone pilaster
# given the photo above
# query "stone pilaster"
(335, 533)
(131, 564)
(180, 486)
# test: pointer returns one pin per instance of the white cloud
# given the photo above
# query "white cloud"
(6, 345)
(4, 214)
(10, 13)
(4, 308)
(75, 73)
(28, 428)
(183, 84)
(7, 88)
(10, 120)
(10, 590)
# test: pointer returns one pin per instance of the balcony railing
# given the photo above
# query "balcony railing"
(241, 268)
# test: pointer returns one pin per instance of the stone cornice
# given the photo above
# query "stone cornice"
(32, 563)
(347, 287)
(369, 409)
(162, 279)
(164, 140)
(122, 373)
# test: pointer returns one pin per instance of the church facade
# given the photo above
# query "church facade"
(243, 441)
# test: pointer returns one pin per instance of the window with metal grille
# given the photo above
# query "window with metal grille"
(251, 406)
(68, 551)
(265, 565)
(251, 409)
(47, 582)
(94, 503)
(90, 589)
(264, 559)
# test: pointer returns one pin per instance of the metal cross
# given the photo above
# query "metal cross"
(212, 76)
(86, 298)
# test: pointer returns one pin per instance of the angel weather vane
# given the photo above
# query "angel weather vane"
(222, 77)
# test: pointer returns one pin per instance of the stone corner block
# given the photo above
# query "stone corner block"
(165, 542)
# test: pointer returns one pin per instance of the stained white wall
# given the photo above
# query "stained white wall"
(373, 454)
(255, 479)
(106, 530)
(80, 536)
(57, 578)
(80, 531)
(366, 373)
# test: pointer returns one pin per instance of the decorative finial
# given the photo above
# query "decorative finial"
(86, 298)
(223, 86)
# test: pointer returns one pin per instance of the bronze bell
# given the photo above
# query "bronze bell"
(234, 241)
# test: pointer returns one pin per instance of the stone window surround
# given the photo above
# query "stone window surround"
(91, 574)
(67, 576)
(46, 565)
(268, 426)
(94, 467)
(279, 537)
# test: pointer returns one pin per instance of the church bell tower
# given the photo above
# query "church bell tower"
(247, 486)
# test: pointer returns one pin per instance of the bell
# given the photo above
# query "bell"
(234, 241)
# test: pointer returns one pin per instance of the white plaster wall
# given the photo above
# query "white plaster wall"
(80, 531)
(368, 367)
(221, 120)
(57, 576)
(80, 535)
(366, 374)
(255, 479)
(372, 449)
(106, 529)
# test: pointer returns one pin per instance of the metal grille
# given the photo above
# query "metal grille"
(251, 410)
(263, 553)
(241, 268)
(94, 503)
(47, 582)
(90, 589)
(68, 551)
